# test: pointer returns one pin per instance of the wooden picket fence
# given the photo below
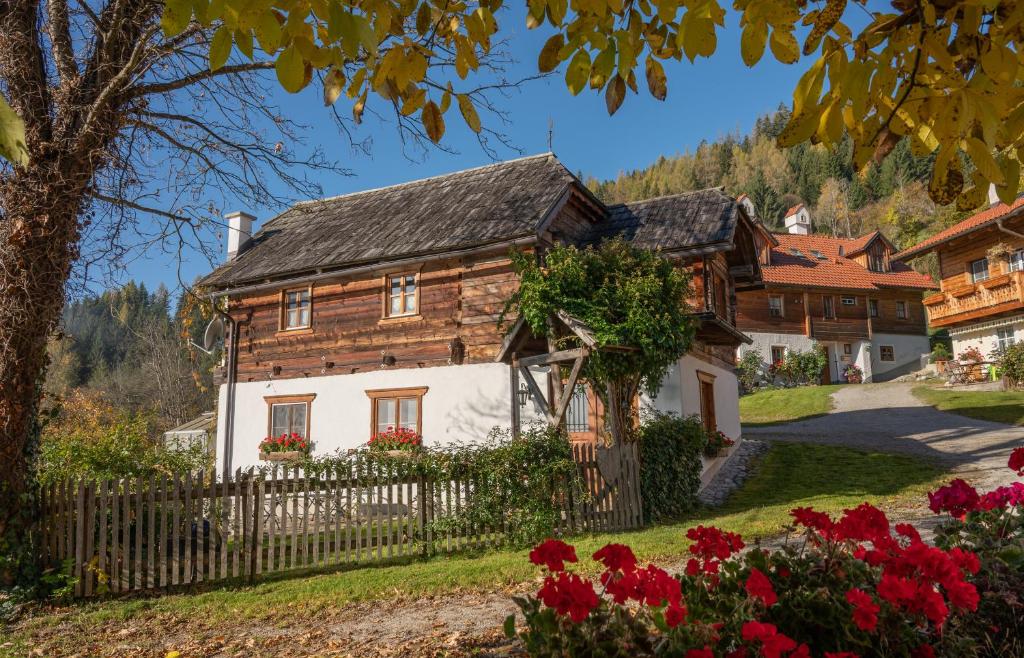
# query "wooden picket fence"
(154, 532)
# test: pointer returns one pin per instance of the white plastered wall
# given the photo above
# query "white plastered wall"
(763, 342)
(463, 403)
(908, 352)
(984, 337)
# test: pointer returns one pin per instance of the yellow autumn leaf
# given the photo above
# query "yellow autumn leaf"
(752, 42)
(433, 122)
(615, 94)
(578, 72)
(548, 59)
(220, 47)
(12, 135)
(784, 46)
(334, 83)
(290, 70)
(268, 32)
(175, 17)
(657, 83)
(982, 158)
(469, 112)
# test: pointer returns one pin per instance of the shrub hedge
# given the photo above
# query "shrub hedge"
(670, 464)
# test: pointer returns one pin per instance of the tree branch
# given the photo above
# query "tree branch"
(199, 76)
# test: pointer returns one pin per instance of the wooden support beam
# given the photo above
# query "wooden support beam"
(513, 372)
(561, 356)
(531, 383)
(570, 389)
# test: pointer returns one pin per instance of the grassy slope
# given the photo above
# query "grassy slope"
(782, 405)
(828, 478)
(998, 406)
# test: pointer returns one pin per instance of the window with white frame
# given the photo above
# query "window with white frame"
(402, 295)
(295, 309)
(1004, 338)
(901, 310)
(1017, 261)
(778, 353)
(399, 408)
(848, 301)
(289, 414)
(979, 270)
(873, 307)
(775, 306)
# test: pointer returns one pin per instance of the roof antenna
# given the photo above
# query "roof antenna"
(551, 134)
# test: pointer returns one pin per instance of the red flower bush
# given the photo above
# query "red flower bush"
(553, 554)
(856, 586)
(570, 595)
(759, 587)
(285, 443)
(957, 498)
(1016, 462)
(396, 439)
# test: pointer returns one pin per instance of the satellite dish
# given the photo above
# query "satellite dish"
(214, 333)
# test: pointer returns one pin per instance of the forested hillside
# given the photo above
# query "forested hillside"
(890, 196)
(129, 345)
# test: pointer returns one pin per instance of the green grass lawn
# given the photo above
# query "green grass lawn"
(790, 475)
(998, 406)
(782, 405)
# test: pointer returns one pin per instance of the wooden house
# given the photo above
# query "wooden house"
(351, 314)
(981, 269)
(852, 297)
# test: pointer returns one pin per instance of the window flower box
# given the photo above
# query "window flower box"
(996, 282)
(287, 447)
(396, 442)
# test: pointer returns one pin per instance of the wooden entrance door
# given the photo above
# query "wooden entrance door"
(707, 401)
(826, 373)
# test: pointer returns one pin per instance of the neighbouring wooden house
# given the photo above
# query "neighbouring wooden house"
(853, 297)
(380, 308)
(981, 267)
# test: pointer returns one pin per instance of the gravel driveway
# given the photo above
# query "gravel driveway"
(888, 418)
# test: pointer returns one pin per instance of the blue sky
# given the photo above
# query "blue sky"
(705, 100)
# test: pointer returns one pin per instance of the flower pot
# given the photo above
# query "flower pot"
(400, 454)
(287, 456)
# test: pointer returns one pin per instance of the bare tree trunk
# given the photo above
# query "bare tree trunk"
(620, 415)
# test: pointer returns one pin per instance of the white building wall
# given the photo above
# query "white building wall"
(909, 352)
(763, 342)
(983, 335)
(463, 403)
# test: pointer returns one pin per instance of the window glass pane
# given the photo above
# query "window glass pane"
(577, 417)
(288, 418)
(408, 414)
(385, 415)
(1017, 261)
(396, 305)
(979, 270)
(410, 302)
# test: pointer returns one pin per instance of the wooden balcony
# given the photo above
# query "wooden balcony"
(976, 301)
(839, 329)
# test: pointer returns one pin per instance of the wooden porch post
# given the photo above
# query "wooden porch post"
(513, 376)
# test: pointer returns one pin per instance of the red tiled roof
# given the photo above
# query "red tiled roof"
(860, 244)
(834, 271)
(972, 223)
(792, 211)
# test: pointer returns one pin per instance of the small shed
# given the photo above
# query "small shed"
(198, 431)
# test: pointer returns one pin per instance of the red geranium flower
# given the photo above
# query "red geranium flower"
(553, 553)
(958, 498)
(569, 595)
(616, 557)
(675, 615)
(706, 652)
(865, 610)
(1016, 462)
(773, 643)
(758, 586)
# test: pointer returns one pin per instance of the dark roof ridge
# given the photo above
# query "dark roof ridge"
(418, 181)
(716, 188)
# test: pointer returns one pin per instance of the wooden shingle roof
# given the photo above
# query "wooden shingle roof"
(681, 221)
(464, 209)
(478, 207)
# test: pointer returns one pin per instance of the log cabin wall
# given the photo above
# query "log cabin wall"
(956, 256)
(457, 299)
(753, 312)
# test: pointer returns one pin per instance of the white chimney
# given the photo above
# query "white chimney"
(239, 232)
(993, 197)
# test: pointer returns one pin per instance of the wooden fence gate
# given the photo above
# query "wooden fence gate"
(163, 531)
